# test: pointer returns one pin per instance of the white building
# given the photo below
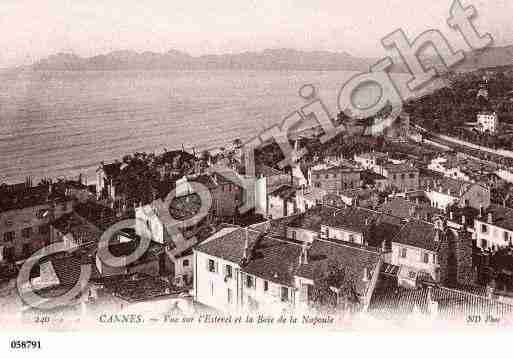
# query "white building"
(442, 165)
(487, 122)
(246, 270)
(494, 227)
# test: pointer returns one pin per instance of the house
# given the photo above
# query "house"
(487, 122)
(401, 176)
(494, 227)
(227, 196)
(370, 160)
(432, 252)
(26, 212)
(448, 168)
(334, 179)
(444, 192)
(247, 270)
(367, 198)
(106, 175)
(416, 247)
(282, 202)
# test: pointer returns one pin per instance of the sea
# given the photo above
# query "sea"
(62, 124)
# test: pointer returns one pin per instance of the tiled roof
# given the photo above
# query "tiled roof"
(313, 218)
(101, 216)
(352, 218)
(399, 303)
(277, 259)
(402, 208)
(17, 197)
(82, 231)
(449, 185)
(284, 191)
(418, 234)
(399, 168)
(274, 260)
(266, 171)
(324, 254)
(229, 246)
(501, 216)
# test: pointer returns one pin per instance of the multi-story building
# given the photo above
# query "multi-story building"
(25, 215)
(444, 192)
(487, 122)
(282, 202)
(401, 176)
(334, 179)
(247, 270)
(493, 227)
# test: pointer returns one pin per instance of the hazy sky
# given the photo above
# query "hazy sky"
(32, 29)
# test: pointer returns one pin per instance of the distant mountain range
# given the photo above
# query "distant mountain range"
(279, 59)
(276, 59)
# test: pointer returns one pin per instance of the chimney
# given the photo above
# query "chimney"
(384, 246)
(246, 246)
(490, 218)
(303, 257)
(366, 275)
(490, 289)
(432, 304)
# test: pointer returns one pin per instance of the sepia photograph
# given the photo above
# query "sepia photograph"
(241, 166)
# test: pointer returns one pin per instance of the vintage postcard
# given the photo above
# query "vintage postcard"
(243, 165)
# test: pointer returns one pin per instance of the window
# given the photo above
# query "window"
(484, 228)
(185, 263)
(44, 229)
(425, 258)
(403, 252)
(9, 236)
(266, 286)
(26, 232)
(250, 283)
(284, 294)
(212, 266)
(228, 271)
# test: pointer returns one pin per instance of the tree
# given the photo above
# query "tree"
(334, 289)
